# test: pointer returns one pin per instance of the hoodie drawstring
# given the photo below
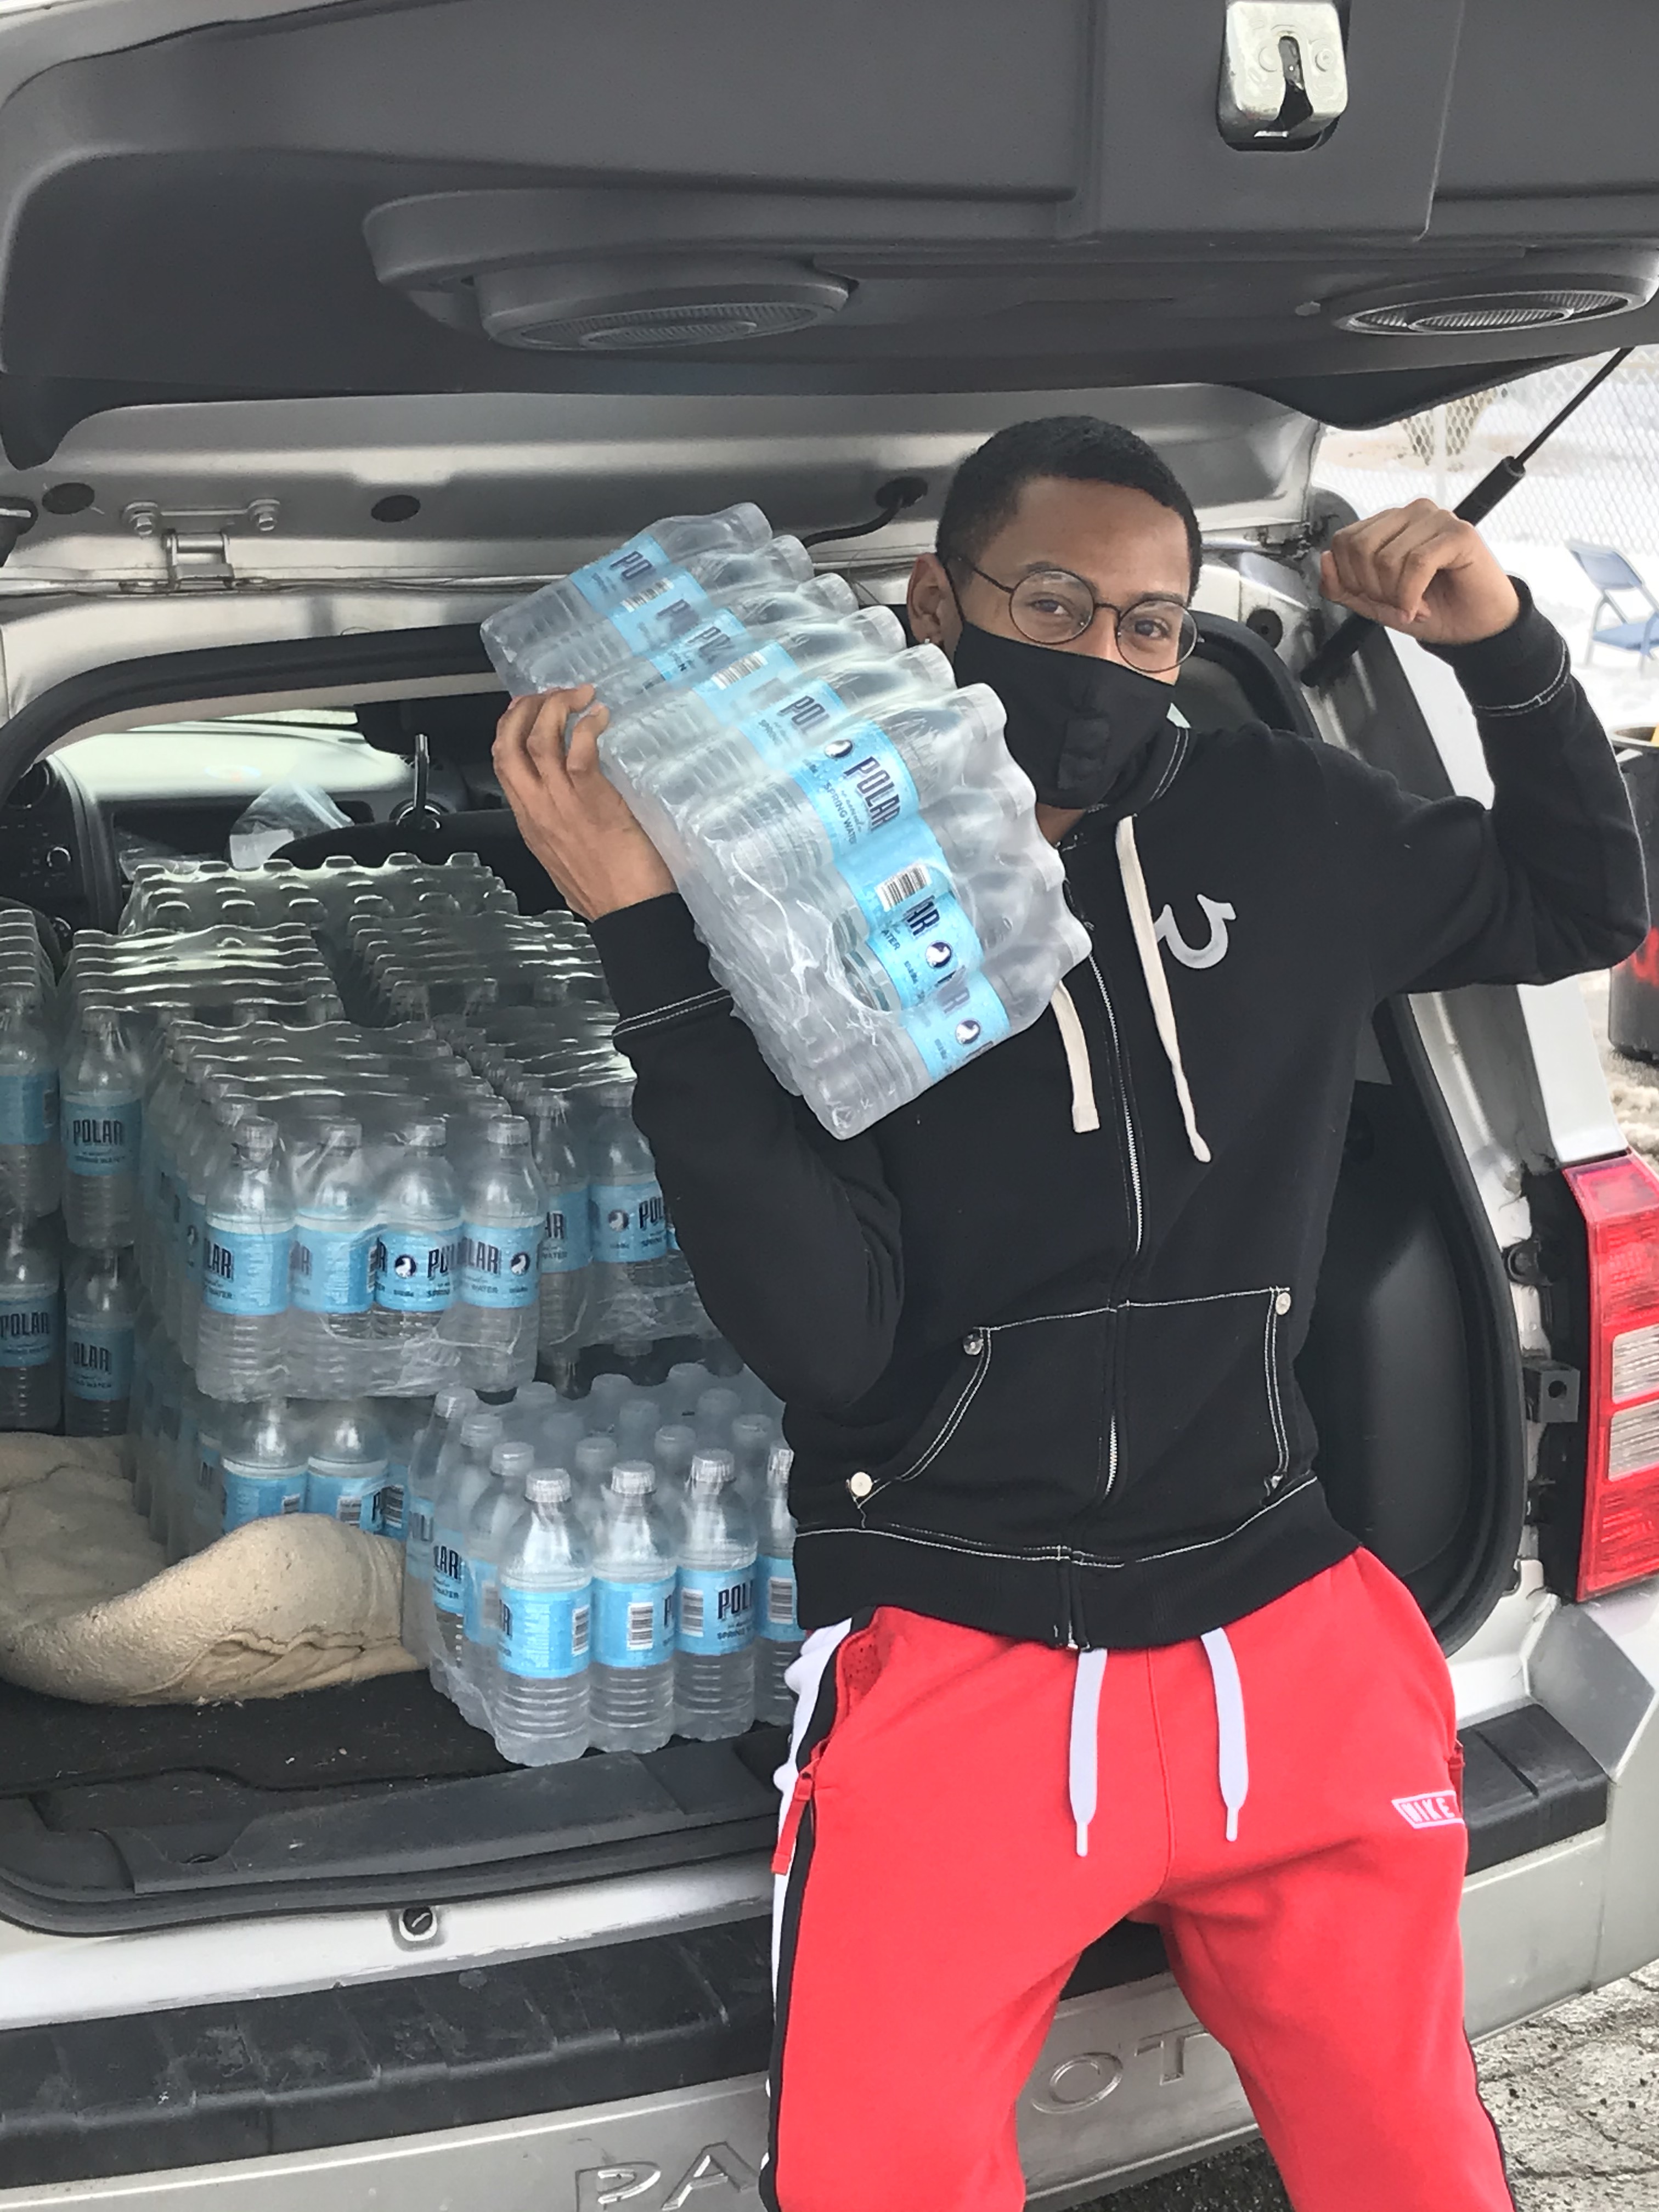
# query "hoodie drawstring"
(1157, 983)
(1085, 1114)
(1083, 1752)
(1235, 1766)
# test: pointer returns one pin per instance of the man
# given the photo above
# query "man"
(1086, 1642)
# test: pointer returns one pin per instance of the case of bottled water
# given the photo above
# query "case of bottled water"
(856, 845)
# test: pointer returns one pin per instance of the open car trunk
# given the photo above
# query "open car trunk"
(381, 1793)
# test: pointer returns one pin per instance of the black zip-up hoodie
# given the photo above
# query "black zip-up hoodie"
(1035, 1346)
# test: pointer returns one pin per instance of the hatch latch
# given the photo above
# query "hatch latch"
(1284, 78)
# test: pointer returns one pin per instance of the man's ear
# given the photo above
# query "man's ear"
(932, 604)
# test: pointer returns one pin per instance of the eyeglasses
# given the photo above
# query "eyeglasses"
(1051, 606)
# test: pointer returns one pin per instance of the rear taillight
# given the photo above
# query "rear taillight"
(1619, 1202)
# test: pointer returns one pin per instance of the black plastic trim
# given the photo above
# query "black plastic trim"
(92, 2098)
(168, 679)
(1487, 1548)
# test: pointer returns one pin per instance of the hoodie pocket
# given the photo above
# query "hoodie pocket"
(1016, 1445)
(1202, 1437)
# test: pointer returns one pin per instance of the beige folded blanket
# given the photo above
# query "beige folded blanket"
(89, 1609)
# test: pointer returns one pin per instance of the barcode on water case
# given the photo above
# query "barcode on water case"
(392, 1502)
(642, 1626)
(692, 1612)
(578, 1631)
(293, 1504)
(351, 1512)
(899, 889)
(780, 1601)
(737, 670)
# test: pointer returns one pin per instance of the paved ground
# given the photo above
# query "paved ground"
(1576, 2096)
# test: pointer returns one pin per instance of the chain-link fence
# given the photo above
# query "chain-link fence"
(1597, 480)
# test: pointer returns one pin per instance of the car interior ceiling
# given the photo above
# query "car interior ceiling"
(1401, 1390)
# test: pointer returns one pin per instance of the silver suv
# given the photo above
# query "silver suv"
(553, 273)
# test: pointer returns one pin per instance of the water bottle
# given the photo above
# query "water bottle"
(672, 1450)
(687, 1381)
(714, 1629)
(601, 1410)
(540, 1708)
(503, 1223)
(567, 1247)
(29, 1166)
(719, 753)
(717, 1409)
(207, 1516)
(777, 1615)
(638, 599)
(346, 1465)
(459, 1491)
(473, 1682)
(263, 1463)
(752, 1438)
(101, 1116)
(754, 675)
(629, 1221)
(334, 1235)
(414, 1259)
(633, 1582)
(593, 1458)
(31, 1328)
(749, 618)
(98, 1343)
(435, 1452)
(248, 1234)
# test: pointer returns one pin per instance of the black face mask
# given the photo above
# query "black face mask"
(1075, 723)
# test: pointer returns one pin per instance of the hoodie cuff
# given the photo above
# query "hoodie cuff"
(654, 961)
(1519, 670)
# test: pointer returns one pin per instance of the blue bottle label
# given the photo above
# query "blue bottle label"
(499, 1265)
(329, 1271)
(245, 1271)
(716, 1610)
(28, 1328)
(480, 1601)
(568, 1243)
(729, 693)
(448, 1571)
(29, 1108)
(414, 1270)
(621, 574)
(794, 722)
(101, 1135)
(544, 1634)
(633, 1622)
(392, 1490)
(924, 944)
(417, 1536)
(261, 1493)
(775, 1600)
(857, 785)
(349, 1495)
(98, 1360)
(708, 646)
(963, 1017)
(629, 1223)
(890, 870)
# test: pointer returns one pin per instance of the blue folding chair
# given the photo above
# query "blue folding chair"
(1611, 573)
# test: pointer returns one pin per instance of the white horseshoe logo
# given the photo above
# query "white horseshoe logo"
(1217, 913)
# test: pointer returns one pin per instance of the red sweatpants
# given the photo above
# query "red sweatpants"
(936, 1901)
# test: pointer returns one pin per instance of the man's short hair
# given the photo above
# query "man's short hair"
(1078, 448)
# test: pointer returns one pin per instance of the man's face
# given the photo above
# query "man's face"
(1121, 543)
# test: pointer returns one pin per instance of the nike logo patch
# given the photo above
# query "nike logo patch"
(1436, 1809)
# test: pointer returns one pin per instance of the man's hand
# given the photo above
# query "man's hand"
(578, 825)
(1419, 569)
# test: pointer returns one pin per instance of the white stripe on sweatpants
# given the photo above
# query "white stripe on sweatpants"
(805, 1678)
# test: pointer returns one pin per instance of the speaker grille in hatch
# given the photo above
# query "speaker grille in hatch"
(1496, 311)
